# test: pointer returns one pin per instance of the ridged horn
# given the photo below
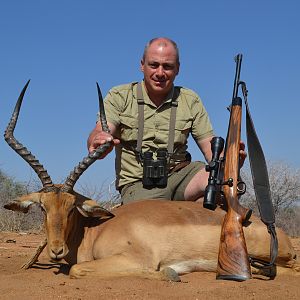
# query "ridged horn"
(93, 156)
(22, 150)
(102, 111)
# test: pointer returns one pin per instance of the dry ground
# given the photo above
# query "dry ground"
(50, 281)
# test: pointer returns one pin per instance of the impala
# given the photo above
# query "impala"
(156, 239)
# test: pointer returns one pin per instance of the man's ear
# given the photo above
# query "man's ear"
(90, 208)
(142, 65)
(178, 68)
(24, 202)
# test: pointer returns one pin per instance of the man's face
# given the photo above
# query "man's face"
(160, 67)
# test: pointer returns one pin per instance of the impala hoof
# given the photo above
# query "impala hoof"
(171, 275)
(77, 272)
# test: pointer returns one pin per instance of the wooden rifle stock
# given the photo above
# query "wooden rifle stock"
(233, 260)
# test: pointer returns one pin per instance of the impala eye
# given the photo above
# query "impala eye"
(43, 208)
(71, 211)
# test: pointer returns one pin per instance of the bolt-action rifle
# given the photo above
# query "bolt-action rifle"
(224, 182)
(224, 179)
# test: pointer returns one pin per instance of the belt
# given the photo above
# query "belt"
(180, 166)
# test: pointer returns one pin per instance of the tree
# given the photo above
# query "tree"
(14, 221)
(285, 193)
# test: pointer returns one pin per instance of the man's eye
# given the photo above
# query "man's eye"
(168, 67)
(153, 66)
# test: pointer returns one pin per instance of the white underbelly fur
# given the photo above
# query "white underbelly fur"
(189, 266)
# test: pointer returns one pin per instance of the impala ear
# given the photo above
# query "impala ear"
(23, 203)
(90, 208)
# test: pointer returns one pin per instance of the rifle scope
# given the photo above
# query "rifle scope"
(217, 145)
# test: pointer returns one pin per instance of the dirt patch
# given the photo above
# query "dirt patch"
(50, 281)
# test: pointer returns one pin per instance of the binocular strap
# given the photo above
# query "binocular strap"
(140, 100)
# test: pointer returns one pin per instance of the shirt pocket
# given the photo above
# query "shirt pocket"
(128, 127)
(182, 130)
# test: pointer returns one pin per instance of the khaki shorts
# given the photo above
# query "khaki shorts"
(177, 183)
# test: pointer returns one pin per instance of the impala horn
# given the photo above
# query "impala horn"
(22, 150)
(93, 156)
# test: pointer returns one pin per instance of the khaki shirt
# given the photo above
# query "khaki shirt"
(122, 110)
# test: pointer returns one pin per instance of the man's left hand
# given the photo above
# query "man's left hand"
(243, 153)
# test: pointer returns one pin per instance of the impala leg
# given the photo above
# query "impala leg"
(120, 266)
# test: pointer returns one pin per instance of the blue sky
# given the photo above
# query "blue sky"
(65, 46)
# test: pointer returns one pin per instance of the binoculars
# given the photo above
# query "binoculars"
(155, 172)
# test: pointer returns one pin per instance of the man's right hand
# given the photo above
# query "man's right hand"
(99, 137)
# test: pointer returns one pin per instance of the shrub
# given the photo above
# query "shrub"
(285, 193)
(16, 221)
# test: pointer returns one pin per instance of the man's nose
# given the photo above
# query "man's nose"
(160, 71)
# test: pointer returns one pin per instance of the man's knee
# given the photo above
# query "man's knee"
(196, 186)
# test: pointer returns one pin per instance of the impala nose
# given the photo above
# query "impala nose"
(57, 251)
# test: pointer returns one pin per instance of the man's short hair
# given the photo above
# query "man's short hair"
(163, 43)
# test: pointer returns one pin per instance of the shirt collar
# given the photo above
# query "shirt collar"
(147, 99)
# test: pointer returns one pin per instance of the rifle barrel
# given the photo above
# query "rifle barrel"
(238, 60)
